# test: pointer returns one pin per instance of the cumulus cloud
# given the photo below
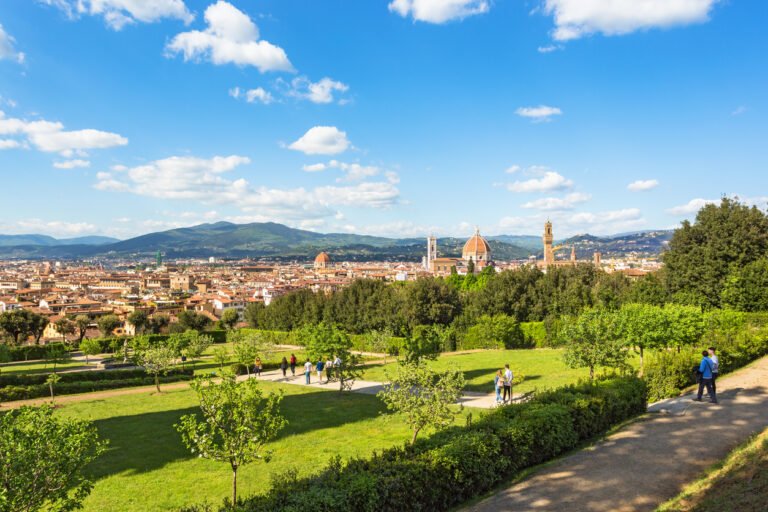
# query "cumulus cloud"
(352, 172)
(314, 167)
(257, 95)
(642, 185)
(322, 91)
(206, 181)
(119, 13)
(540, 113)
(322, 140)
(231, 38)
(558, 203)
(438, 11)
(51, 136)
(7, 47)
(547, 181)
(72, 164)
(579, 18)
(512, 169)
(568, 223)
(691, 207)
(9, 144)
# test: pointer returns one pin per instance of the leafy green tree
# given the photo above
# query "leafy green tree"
(498, 331)
(15, 324)
(81, 325)
(238, 422)
(37, 324)
(379, 342)
(649, 289)
(107, 324)
(221, 356)
(192, 320)
(423, 396)
(198, 344)
(57, 354)
(246, 350)
(643, 326)
(157, 323)
(139, 320)
(704, 254)
(686, 325)
(327, 341)
(43, 459)
(52, 380)
(470, 267)
(423, 343)
(430, 301)
(592, 342)
(65, 326)
(229, 319)
(90, 347)
(746, 289)
(157, 360)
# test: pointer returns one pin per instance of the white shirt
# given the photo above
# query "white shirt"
(507, 376)
(715, 364)
(307, 366)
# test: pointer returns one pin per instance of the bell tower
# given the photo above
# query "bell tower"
(549, 255)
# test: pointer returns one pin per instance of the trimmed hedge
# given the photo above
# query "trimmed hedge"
(535, 334)
(31, 352)
(458, 464)
(25, 387)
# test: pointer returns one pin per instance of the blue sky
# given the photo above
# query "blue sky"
(395, 118)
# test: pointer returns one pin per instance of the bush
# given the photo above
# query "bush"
(498, 331)
(89, 376)
(666, 373)
(32, 352)
(535, 334)
(459, 463)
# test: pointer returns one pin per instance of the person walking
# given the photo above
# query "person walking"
(293, 365)
(715, 367)
(508, 376)
(257, 366)
(308, 370)
(498, 383)
(319, 367)
(284, 365)
(705, 369)
(328, 370)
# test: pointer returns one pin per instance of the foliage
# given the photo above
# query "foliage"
(327, 341)
(52, 380)
(704, 254)
(535, 334)
(192, 320)
(15, 324)
(157, 361)
(667, 373)
(57, 354)
(81, 325)
(90, 347)
(65, 326)
(746, 288)
(107, 324)
(643, 326)
(423, 396)
(197, 345)
(593, 342)
(238, 421)
(423, 343)
(229, 319)
(498, 331)
(42, 459)
(139, 320)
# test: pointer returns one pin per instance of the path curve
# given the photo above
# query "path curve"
(649, 461)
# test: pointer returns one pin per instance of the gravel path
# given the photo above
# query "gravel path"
(650, 460)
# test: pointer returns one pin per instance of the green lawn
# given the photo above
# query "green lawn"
(23, 367)
(542, 368)
(147, 468)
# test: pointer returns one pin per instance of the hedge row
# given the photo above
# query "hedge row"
(9, 393)
(456, 465)
(84, 376)
(31, 352)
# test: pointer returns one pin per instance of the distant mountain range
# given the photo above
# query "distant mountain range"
(278, 242)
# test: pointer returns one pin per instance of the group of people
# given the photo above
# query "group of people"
(503, 384)
(707, 373)
(328, 366)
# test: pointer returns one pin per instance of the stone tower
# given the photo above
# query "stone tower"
(431, 251)
(549, 255)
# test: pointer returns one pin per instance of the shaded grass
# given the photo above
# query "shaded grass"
(740, 482)
(147, 468)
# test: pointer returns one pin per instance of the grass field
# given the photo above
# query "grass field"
(23, 367)
(740, 483)
(147, 468)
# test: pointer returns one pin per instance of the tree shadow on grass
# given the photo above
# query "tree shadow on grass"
(145, 442)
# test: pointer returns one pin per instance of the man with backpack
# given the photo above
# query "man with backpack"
(715, 367)
(705, 372)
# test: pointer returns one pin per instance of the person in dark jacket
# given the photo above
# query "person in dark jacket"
(706, 369)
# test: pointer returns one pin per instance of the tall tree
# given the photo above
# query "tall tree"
(746, 289)
(15, 324)
(326, 341)
(81, 324)
(592, 342)
(192, 320)
(43, 458)
(431, 301)
(139, 320)
(107, 324)
(702, 255)
(65, 327)
(238, 422)
(157, 360)
(229, 319)
(423, 396)
(643, 326)
(37, 325)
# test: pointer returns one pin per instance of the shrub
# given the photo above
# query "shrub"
(666, 373)
(498, 331)
(459, 463)
(535, 334)
(32, 352)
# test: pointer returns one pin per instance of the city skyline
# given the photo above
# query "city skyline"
(393, 118)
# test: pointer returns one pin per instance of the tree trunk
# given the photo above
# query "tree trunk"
(234, 486)
(50, 386)
(591, 373)
(157, 382)
(415, 433)
(641, 360)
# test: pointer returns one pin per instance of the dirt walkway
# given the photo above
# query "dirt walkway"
(650, 460)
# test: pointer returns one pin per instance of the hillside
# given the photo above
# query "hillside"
(640, 244)
(49, 241)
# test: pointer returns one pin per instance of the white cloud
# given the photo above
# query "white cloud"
(691, 207)
(353, 171)
(549, 48)
(512, 169)
(7, 47)
(641, 185)
(557, 203)
(50, 136)
(9, 144)
(231, 38)
(578, 18)
(72, 164)
(438, 11)
(540, 113)
(739, 110)
(321, 91)
(567, 223)
(549, 181)
(314, 167)
(56, 228)
(257, 95)
(322, 140)
(119, 13)
(204, 180)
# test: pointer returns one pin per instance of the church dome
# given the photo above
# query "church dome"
(322, 258)
(476, 248)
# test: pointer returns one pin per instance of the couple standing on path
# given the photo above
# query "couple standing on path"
(284, 365)
(320, 366)
(503, 381)
(706, 375)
